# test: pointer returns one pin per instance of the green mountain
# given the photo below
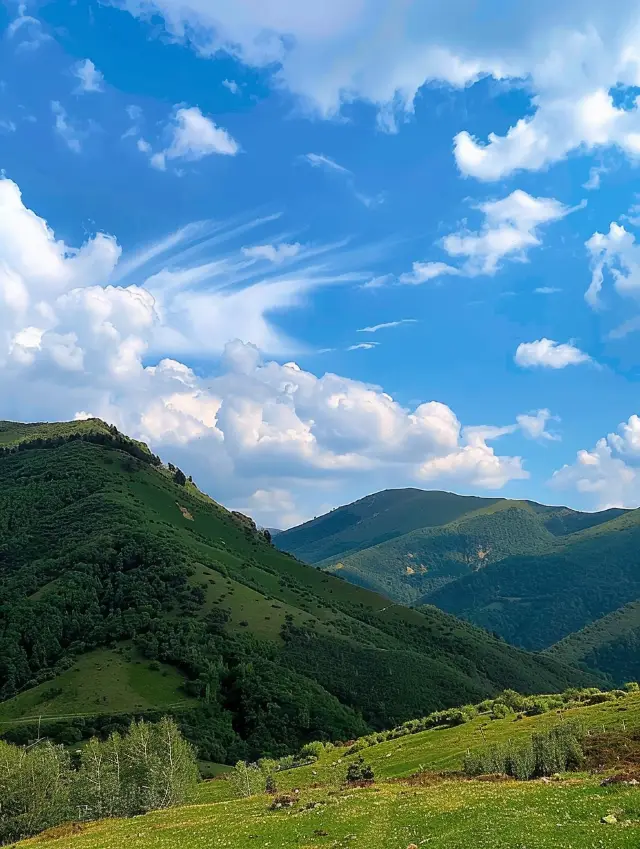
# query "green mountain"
(537, 600)
(530, 573)
(611, 643)
(124, 590)
(375, 519)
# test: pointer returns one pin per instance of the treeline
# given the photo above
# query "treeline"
(43, 785)
(113, 439)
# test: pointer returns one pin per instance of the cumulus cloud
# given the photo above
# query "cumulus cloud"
(609, 474)
(617, 253)
(192, 136)
(570, 55)
(82, 329)
(232, 85)
(546, 353)
(90, 79)
(509, 229)
(534, 425)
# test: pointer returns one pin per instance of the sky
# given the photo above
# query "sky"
(312, 251)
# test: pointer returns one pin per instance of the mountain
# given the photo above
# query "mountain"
(409, 543)
(126, 591)
(375, 519)
(537, 600)
(611, 643)
(531, 573)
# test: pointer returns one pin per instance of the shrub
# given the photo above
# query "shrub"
(631, 687)
(359, 771)
(312, 750)
(545, 753)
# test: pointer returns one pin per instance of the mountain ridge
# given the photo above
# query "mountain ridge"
(104, 548)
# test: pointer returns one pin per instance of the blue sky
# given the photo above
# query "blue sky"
(197, 195)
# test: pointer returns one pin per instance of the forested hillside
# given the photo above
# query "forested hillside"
(375, 519)
(533, 574)
(124, 590)
(611, 643)
(536, 600)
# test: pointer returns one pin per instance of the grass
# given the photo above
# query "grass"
(431, 811)
(101, 681)
(447, 815)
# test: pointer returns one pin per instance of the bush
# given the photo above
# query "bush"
(359, 771)
(499, 710)
(311, 750)
(545, 753)
(631, 687)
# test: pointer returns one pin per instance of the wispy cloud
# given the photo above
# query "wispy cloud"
(362, 346)
(375, 327)
(27, 30)
(319, 160)
(65, 128)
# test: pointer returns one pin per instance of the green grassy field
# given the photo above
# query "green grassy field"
(101, 681)
(442, 812)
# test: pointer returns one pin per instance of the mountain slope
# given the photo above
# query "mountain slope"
(375, 519)
(414, 564)
(611, 643)
(536, 601)
(104, 548)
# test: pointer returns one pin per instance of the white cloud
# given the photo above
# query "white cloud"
(609, 474)
(325, 163)
(595, 177)
(422, 272)
(617, 253)
(378, 282)
(192, 136)
(90, 79)
(273, 253)
(232, 85)
(545, 353)
(65, 128)
(319, 160)
(534, 425)
(510, 228)
(546, 290)
(375, 327)
(26, 30)
(570, 55)
(362, 346)
(77, 335)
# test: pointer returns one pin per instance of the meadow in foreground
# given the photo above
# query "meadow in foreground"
(450, 814)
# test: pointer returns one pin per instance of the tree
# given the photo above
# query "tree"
(247, 779)
(34, 789)
(179, 477)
